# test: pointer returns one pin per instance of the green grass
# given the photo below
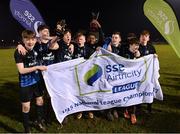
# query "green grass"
(165, 116)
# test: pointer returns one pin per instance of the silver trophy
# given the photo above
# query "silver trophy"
(95, 15)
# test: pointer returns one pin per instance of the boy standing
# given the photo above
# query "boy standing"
(114, 46)
(80, 50)
(146, 48)
(29, 78)
(132, 53)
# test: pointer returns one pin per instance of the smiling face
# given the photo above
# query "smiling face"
(44, 33)
(116, 39)
(91, 39)
(29, 39)
(29, 43)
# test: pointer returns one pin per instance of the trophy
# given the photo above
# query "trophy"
(95, 15)
(60, 28)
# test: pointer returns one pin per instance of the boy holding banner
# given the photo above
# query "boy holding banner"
(146, 48)
(29, 80)
(46, 56)
(116, 47)
(81, 50)
(132, 53)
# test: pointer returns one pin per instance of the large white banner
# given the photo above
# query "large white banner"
(104, 81)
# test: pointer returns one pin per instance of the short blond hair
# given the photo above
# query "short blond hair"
(28, 34)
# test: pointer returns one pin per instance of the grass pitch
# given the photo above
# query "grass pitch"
(165, 116)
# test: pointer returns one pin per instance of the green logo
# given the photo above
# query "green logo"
(93, 74)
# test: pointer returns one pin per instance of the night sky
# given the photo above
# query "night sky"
(122, 15)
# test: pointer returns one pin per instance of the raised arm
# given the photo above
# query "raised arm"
(53, 43)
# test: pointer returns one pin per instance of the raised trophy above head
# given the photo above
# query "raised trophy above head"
(60, 27)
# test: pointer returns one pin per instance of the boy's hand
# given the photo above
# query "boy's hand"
(96, 22)
(137, 53)
(98, 48)
(155, 56)
(71, 48)
(41, 68)
(21, 49)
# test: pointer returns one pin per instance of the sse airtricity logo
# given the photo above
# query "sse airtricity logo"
(169, 27)
(93, 74)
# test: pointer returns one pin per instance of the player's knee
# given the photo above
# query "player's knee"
(39, 101)
(25, 108)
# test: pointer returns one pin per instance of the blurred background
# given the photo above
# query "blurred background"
(122, 15)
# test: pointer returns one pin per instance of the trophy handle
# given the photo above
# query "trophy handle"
(95, 16)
